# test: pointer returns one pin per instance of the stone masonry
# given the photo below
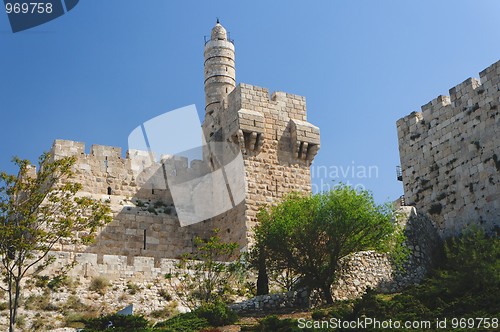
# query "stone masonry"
(275, 139)
(450, 155)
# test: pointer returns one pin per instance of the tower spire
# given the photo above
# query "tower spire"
(220, 75)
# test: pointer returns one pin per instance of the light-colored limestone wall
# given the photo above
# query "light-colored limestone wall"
(450, 155)
(278, 146)
(145, 221)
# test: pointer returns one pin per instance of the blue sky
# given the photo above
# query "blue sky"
(105, 67)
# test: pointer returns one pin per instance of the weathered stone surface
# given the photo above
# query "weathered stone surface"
(450, 155)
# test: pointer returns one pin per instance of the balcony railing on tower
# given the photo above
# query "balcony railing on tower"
(209, 38)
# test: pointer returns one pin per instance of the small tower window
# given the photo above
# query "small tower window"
(110, 191)
(144, 239)
(152, 191)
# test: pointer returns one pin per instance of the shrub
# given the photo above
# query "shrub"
(116, 322)
(166, 312)
(41, 281)
(164, 294)
(74, 303)
(159, 204)
(4, 306)
(99, 285)
(133, 288)
(59, 281)
(217, 314)
(273, 323)
(188, 322)
(40, 302)
(466, 284)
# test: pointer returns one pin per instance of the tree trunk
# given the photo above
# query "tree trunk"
(262, 278)
(327, 293)
(16, 298)
(11, 306)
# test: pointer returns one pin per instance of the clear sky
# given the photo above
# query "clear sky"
(107, 66)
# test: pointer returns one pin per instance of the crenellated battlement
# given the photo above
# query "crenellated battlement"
(448, 154)
(467, 96)
(105, 171)
(254, 98)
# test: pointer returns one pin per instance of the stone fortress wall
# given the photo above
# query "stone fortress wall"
(271, 132)
(144, 218)
(450, 155)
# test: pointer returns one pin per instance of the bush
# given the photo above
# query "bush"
(41, 281)
(273, 323)
(166, 312)
(217, 314)
(116, 323)
(40, 302)
(75, 304)
(99, 285)
(133, 288)
(4, 306)
(58, 282)
(164, 294)
(466, 284)
(188, 322)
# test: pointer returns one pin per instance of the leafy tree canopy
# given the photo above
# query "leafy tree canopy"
(37, 210)
(309, 235)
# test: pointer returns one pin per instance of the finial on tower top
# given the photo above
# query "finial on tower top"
(218, 32)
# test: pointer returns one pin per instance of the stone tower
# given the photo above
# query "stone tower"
(220, 75)
(272, 132)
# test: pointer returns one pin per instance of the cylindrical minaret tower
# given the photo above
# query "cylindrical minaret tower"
(220, 74)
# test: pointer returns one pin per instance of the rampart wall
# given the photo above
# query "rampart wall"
(450, 155)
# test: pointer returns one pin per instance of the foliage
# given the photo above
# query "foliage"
(133, 288)
(99, 284)
(116, 323)
(217, 314)
(40, 302)
(204, 275)
(275, 324)
(188, 322)
(36, 212)
(167, 311)
(306, 236)
(465, 285)
(164, 294)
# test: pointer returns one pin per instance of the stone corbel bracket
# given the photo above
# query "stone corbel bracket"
(250, 133)
(305, 139)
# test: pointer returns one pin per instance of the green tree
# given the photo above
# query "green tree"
(309, 235)
(37, 210)
(204, 275)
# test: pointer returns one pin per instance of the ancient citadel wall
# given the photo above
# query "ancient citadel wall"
(450, 156)
(145, 222)
(277, 144)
